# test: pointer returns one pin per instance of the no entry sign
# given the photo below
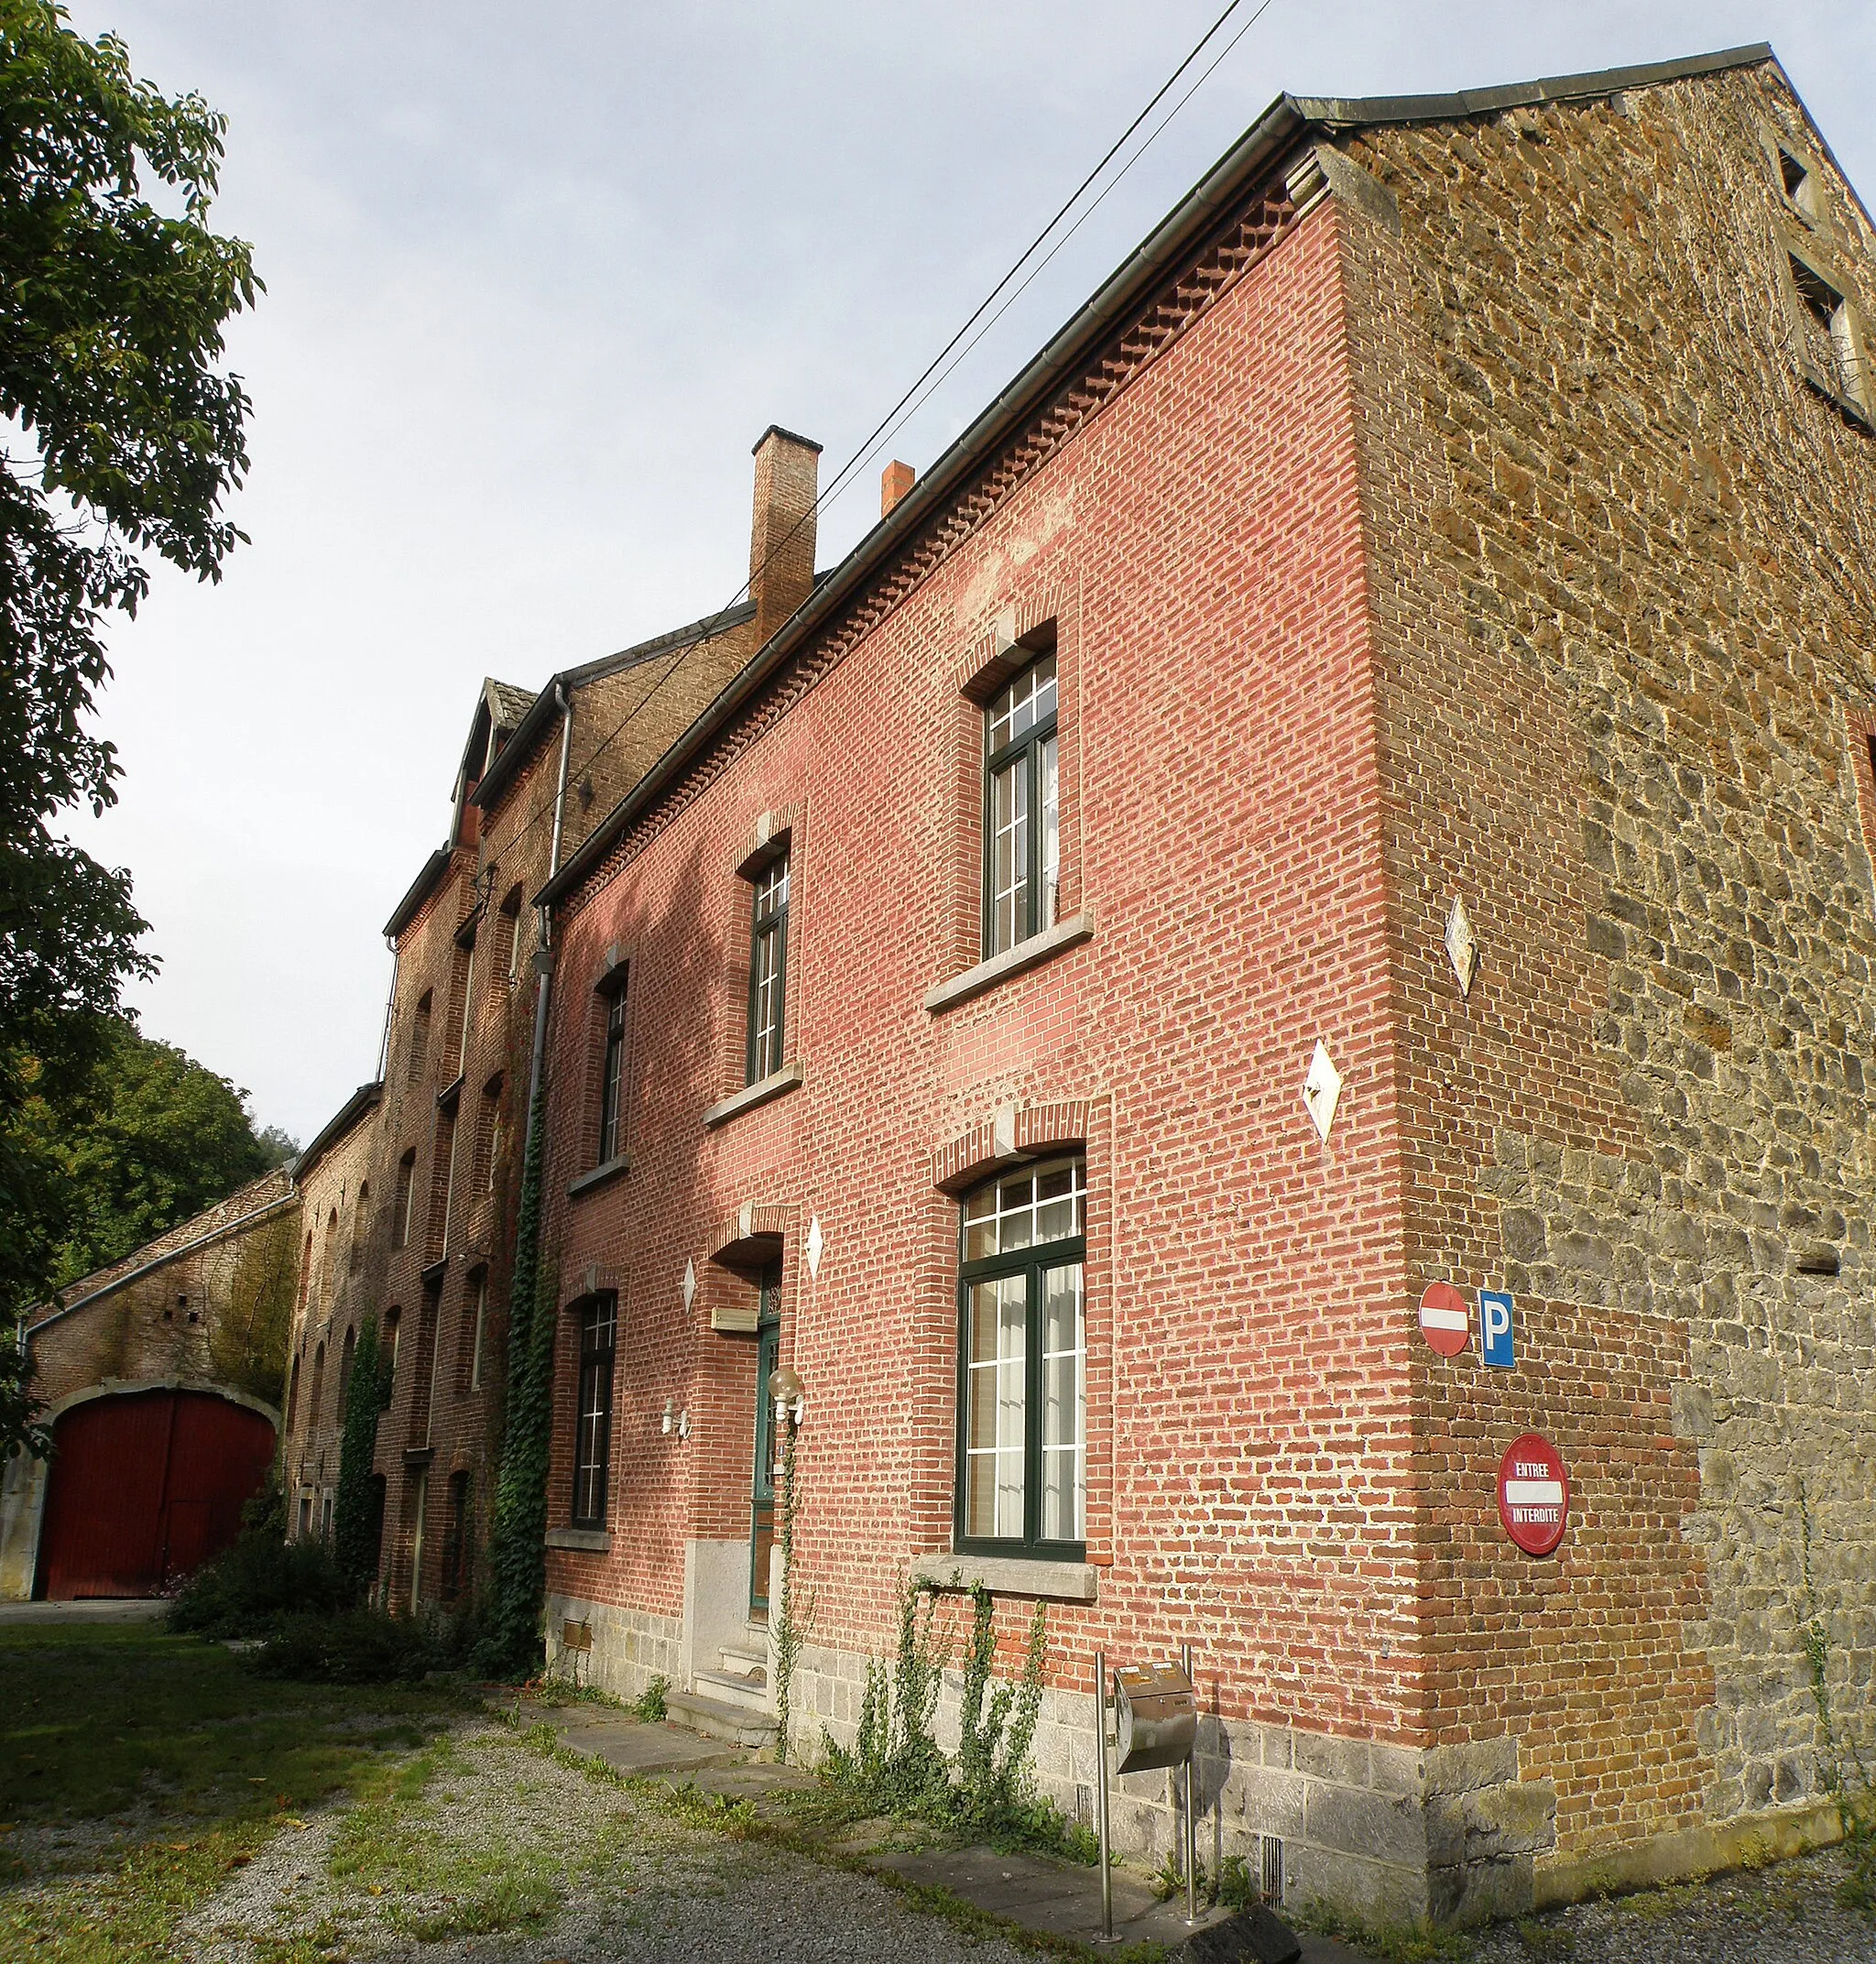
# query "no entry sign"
(1534, 1494)
(1444, 1321)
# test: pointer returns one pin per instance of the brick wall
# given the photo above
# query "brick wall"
(1196, 548)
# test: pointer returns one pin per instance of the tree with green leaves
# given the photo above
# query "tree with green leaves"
(120, 438)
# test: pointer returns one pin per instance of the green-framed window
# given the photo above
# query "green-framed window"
(612, 1066)
(768, 969)
(1022, 810)
(1023, 1355)
(593, 1411)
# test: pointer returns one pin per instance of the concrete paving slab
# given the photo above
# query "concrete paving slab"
(631, 1745)
(1058, 1897)
(91, 1610)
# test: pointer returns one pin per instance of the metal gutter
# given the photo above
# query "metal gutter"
(421, 890)
(341, 1122)
(1255, 153)
(291, 1198)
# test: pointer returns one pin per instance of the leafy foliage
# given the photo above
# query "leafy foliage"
(356, 1525)
(511, 1645)
(358, 1645)
(257, 1585)
(121, 435)
(149, 1138)
(20, 1427)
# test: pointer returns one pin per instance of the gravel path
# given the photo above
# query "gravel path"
(1787, 1914)
(503, 1854)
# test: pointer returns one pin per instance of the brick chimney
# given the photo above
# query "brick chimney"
(781, 539)
(895, 481)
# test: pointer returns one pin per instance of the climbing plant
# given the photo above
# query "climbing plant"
(511, 1645)
(355, 1520)
(790, 1628)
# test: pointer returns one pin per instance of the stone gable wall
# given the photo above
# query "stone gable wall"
(1624, 578)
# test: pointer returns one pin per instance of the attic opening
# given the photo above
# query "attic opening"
(1832, 337)
(1800, 183)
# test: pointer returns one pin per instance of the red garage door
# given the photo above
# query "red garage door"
(145, 1487)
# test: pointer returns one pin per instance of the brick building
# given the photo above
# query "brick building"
(160, 1377)
(434, 1164)
(333, 1299)
(1355, 774)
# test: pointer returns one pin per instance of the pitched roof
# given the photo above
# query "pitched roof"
(336, 1127)
(507, 704)
(1275, 135)
(530, 727)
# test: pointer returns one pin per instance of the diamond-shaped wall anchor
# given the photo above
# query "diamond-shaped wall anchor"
(1321, 1090)
(814, 1245)
(688, 1284)
(1462, 946)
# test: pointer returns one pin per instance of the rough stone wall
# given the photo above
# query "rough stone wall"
(1623, 585)
(174, 1322)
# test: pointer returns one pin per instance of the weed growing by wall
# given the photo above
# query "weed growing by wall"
(896, 1766)
(789, 1629)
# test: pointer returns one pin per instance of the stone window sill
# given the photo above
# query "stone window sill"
(1052, 941)
(1005, 1575)
(584, 1541)
(599, 1175)
(774, 1086)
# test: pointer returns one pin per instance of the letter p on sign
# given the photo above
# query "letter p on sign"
(1495, 1329)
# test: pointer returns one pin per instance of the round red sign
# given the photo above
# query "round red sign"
(1444, 1320)
(1534, 1494)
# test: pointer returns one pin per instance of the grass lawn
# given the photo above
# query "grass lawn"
(138, 1769)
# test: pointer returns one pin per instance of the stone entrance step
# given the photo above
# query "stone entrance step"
(722, 1716)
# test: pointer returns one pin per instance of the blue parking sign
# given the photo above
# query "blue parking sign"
(1494, 1327)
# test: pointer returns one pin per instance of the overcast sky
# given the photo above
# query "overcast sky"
(538, 277)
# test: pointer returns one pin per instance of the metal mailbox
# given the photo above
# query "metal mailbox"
(1155, 1718)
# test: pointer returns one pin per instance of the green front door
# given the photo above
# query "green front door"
(762, 1496)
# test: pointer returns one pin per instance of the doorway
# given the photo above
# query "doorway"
(762, 1493)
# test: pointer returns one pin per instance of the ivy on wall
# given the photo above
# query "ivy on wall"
(357, 1522)
(511, 1645)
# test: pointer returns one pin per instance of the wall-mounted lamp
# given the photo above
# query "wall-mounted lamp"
(684, 1424)
(670, 1419)
(790, 1395)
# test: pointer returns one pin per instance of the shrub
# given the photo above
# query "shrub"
(362, 1645)
(260, 1581)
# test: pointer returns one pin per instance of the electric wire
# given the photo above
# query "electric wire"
(907, 407)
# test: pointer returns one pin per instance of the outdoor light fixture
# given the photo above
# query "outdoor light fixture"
(685, 1423)
(790, 1395)
(671, 1406)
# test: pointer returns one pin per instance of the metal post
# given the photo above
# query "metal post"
(1101, 1802)
(1191, 1822)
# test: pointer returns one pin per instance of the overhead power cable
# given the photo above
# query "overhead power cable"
(912, 401)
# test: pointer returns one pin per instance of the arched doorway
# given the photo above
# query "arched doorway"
(145, 1487)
